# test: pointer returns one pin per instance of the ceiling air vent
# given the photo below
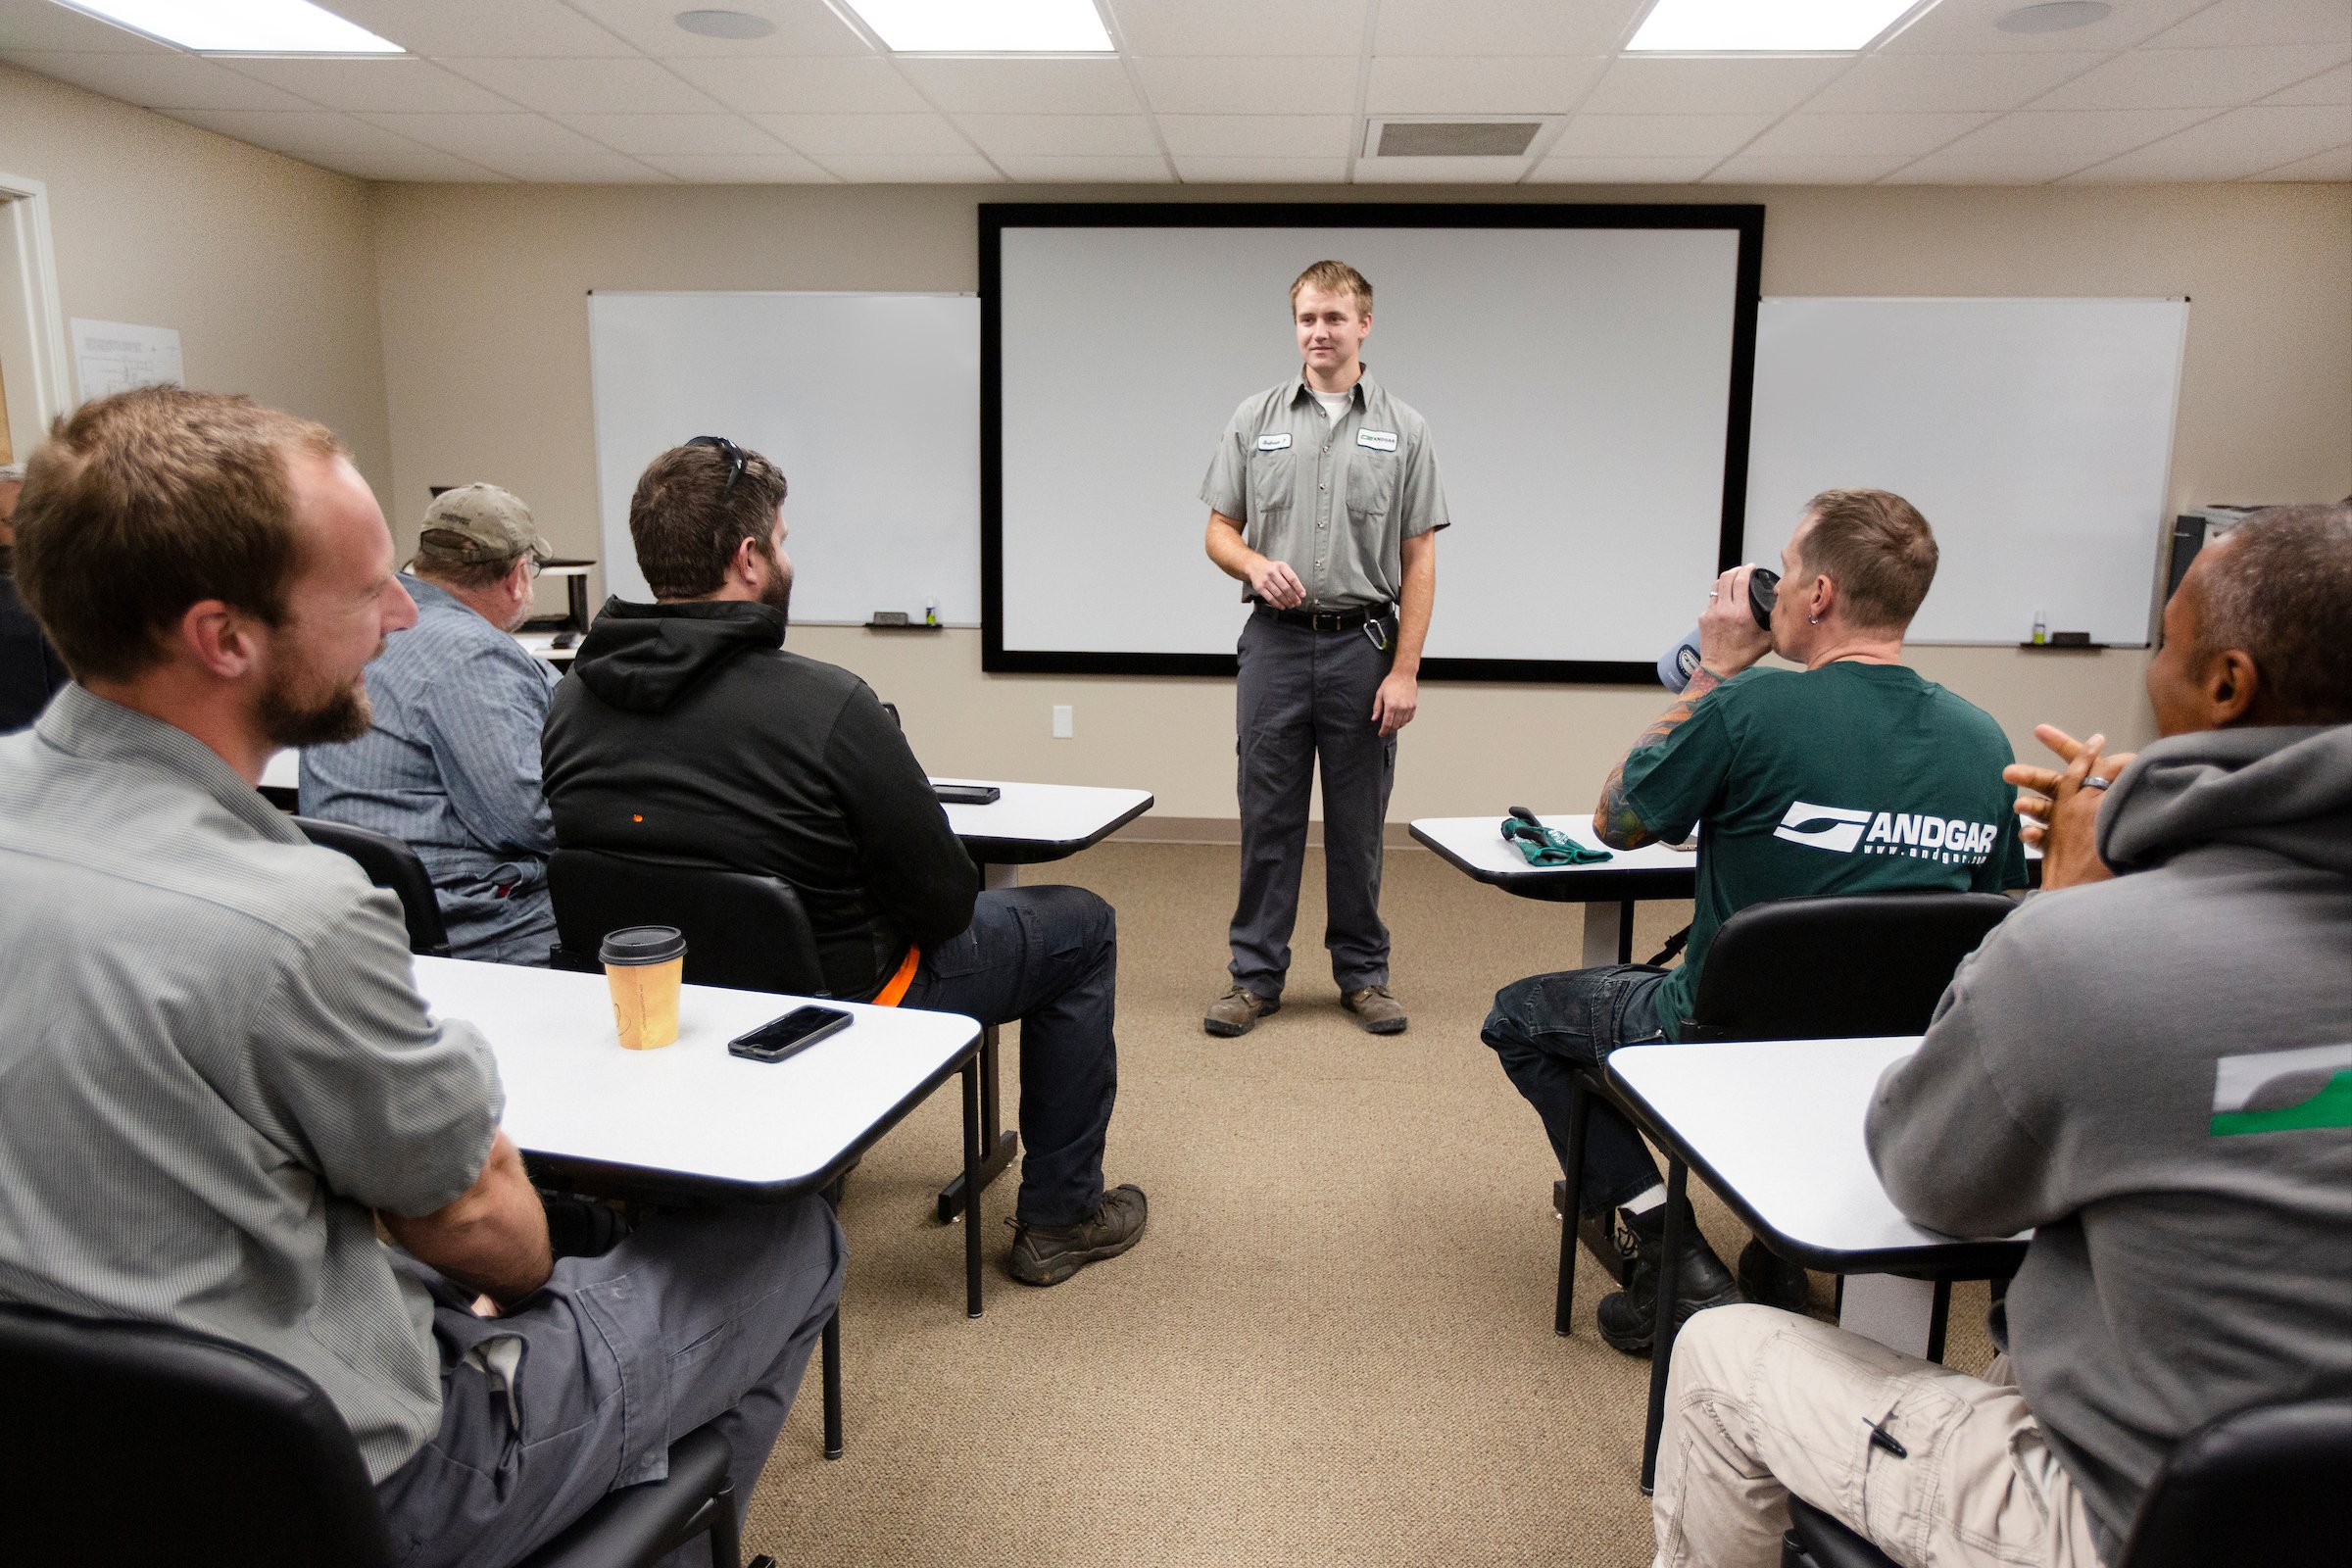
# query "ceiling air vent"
(1454, 138)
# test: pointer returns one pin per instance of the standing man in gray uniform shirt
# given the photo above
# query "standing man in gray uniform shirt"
(1324, 501)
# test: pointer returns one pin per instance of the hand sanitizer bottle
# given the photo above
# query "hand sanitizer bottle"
(2041, 629)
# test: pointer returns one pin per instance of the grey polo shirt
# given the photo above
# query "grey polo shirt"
(214, 1065)
(1335, 501)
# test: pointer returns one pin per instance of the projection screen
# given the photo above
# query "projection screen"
(1585, 371)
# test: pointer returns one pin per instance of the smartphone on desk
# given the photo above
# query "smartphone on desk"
(789, 1036)
(968, 794)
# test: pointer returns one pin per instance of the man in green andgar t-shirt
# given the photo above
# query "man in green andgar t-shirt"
(1851, 775)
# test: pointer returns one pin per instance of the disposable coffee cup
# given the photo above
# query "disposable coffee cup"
(645, 964)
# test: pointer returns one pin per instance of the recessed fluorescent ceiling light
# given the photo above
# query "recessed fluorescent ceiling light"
(241, 26)
(1764, 26)
(986, 26)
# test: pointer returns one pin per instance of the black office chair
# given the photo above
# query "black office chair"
(124, 1438)
(744, 930)
(393, 867)
(2257, 1486)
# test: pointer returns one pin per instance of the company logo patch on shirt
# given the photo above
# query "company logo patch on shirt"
(1273, 443)
(1376, 440)
(1951, 840)
(2282, 1091)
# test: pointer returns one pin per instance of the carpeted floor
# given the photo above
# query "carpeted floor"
(1334, 1345)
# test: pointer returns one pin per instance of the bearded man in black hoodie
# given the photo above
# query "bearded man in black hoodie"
(686, 732)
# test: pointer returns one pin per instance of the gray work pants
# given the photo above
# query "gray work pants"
(1305, 697)
(694, 1318)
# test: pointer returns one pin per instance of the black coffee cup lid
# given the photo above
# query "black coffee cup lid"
(643, 943)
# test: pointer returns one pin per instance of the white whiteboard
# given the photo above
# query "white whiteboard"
(869, 403)
(2035, 435)
(1577, 382)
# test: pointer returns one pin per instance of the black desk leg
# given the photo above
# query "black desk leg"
(1661, 1343)
(831, 1352)
(972, 1186)
(1625, 932)
(1940, 1318)
(1572, 1201)
(998, 1144)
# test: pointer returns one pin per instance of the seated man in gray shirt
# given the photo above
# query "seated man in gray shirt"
(220, 1075)
(2149, 1065)
(450, 764)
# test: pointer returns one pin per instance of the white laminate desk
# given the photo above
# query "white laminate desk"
(1775, 1127)
(1029, 824)
(1608, 889)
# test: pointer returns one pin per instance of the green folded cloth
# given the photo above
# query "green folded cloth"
(1549, 846)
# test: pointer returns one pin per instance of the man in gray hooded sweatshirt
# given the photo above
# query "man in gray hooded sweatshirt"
(2150, 1066)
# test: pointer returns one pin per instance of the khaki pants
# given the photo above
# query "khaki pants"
(1761, 1404)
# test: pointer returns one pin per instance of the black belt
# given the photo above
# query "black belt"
(1326, 619)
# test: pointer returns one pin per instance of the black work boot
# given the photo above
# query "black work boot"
(1598, 1233)
(1770, 1280)
(1629, 1319)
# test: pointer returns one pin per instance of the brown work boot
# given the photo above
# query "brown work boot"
(1237, 1012)
(1379, 1013)
(1049, 1257)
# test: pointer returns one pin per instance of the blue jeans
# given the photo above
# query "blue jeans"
(1048, 957)
(1548, 1025)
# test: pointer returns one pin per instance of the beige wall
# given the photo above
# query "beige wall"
(486, 365)
(265, 265)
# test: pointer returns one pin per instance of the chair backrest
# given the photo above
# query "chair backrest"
(2263, 1485)
(743, 929)
(135, 1442)
(1838, 967)
(393, 867)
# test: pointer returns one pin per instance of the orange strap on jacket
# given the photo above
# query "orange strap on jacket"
(895, 989)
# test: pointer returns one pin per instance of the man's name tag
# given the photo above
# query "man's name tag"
(1278, 443)
(1376, 440)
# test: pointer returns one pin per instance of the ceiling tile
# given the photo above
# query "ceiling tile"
(1637, 86)
(412, 164)
(677, 135)
(491, 138)
(2251, 21)
(169, 81)
(803, 28)
(473, 28)
(315, 135)
(2333, 167)
(1024, 86)
(1657, 135)
(1459, 84)
(1061, 135)
(1766, 168)
(1885, 83)
(886, 135)
(931, 169)
(41, 25)
(2035, 145)
(2241, 142)
(1901, 136)
(731, 169)
(2328, 87)
(1238, 84)
(1504, 26)
(1967, 27)
(385, 85)
(780, 85)
(586, 86)
(2186, 78)
(1238, 27)
(578, 169)
(1438, 171)
(1259, 135)
(1095, 171)
(1620, 171)
(1205, 170)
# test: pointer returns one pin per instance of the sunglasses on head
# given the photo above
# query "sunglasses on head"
(727, 449)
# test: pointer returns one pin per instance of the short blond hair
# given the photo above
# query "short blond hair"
(1336, 277)
(1878, 551)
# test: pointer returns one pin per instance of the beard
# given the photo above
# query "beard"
(777, 594)
(293, 712)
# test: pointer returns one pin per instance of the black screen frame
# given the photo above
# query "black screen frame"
(1744, 218)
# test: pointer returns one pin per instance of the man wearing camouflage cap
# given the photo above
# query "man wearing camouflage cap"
(450, 764)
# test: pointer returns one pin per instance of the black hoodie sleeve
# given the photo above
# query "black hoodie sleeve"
(912, 864)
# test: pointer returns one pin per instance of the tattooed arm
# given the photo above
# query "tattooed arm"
(1614, 820)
